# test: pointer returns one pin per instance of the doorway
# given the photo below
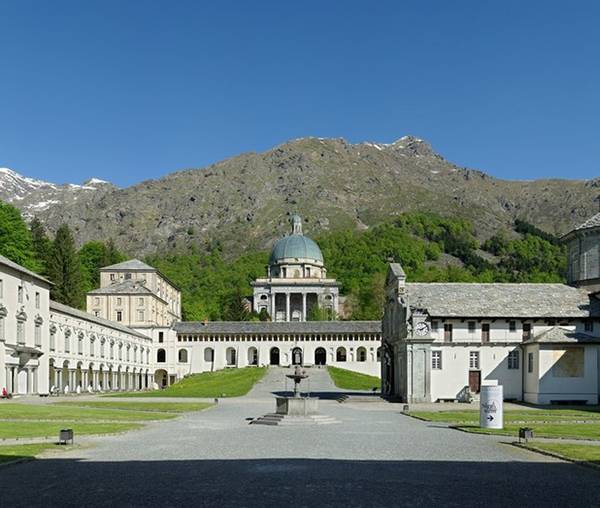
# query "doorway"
(320, 356)
(274, 356)
(297, 356)
(475, 381)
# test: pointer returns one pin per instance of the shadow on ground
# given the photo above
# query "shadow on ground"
(333, 395)
(297, 482)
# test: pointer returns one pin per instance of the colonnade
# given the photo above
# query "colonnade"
(78, 380)
(23, 380)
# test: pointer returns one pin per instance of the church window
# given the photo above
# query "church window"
(436, 360)
(513, 360)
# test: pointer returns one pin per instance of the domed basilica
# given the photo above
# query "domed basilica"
(296, 284)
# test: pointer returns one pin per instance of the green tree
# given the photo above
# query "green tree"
(263, 315)
(15, 238)
(236, 308)
(64, 269)
(111, 254)
(41, 244)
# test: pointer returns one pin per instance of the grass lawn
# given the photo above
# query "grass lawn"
(221, 383)
(349, 380)
(584, 453)
(74, 413)
(545, 423)
(14, 452)
(168, 407)
(27, 429)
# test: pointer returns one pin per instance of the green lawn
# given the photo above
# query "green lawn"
(584, 453)
(15, 452)
(221, 383)
(531, 416)
(168, 407)
(74, 413)
(27, 429)
(545, 422)
(348, 380)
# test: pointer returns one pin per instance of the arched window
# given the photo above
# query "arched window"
(209, 354)
(340, 354)
(161, 356)
(361, 354)
(252, 356)
(230, 356)
(183, 356)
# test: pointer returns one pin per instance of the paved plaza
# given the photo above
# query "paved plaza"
(375, 456)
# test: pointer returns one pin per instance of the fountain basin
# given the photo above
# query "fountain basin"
(297, 406)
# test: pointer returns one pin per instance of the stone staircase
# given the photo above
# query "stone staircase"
(285, 420)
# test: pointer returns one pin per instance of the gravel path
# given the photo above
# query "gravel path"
(374, 457)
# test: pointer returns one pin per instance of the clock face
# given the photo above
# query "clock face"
(422, 328)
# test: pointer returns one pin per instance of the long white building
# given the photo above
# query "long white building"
(45, 345)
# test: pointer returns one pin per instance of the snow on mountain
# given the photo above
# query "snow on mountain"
(33, 196)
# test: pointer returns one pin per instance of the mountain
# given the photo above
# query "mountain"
(243, 202)
(35, 197)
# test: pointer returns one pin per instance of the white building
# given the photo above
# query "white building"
(44, 344)
(442, 341)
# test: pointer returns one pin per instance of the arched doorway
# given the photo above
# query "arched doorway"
(160, 378)
(230, 356)
(297, 356)
(320, 356)
(252, 356)
(274, 356)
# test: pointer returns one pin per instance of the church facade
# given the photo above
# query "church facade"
(541, 342)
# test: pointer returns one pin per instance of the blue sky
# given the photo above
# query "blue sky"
(131, 90)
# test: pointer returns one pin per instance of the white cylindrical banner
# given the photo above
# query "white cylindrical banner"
(491, 412)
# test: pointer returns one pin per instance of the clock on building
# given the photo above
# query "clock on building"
(422, 328)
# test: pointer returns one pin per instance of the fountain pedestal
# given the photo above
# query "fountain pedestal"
(297, 406)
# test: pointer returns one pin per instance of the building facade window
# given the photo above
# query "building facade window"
(340, 354)
(141, 302)
(474, 360)
(119, 315)
(526, 331)
(20, 294)
(37, 300)
(448, 332)
(161, 356)
(183, 356)
(361, 354)
(530, 362)
(471, 326)
(1, 288)
(589, 326)
(161, 336)
(140, 315)
(67, 342)
(513, 360)
(512, 326)
(485, 332)
(38, 335)
(2, 337)
(80, 345)
(434, 326)
(436, 360)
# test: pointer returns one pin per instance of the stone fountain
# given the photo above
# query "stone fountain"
(297, 405)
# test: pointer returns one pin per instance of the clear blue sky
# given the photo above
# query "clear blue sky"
(131, 90)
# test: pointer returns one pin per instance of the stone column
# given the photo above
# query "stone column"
(273, 305)
(287, 307)
(304, 307)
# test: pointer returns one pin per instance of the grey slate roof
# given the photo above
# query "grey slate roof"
(65, 309)
(127, 287)
(502, 300)
(22, 269)
(130, 265)
(269, 327)
(560, 335)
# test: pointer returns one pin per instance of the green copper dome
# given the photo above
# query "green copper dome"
(295, 246)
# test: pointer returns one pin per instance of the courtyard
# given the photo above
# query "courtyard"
(373, 456)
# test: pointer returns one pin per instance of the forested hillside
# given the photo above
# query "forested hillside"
(430, 248)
